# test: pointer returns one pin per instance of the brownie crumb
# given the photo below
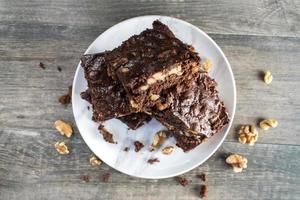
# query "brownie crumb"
(183, 181)
(86, 178)
(66, 98)
(88, 108)
(105, 177)
(107, 136)
(202, 177)
(59, 68)
(138, 146)
(41, 65)
(203, 191)
(153, 160)
(20, 116)
(126, 149)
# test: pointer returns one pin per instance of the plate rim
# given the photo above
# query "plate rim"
(234, 96)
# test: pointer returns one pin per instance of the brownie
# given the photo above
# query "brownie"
(106, 95)
(151, 62)
(194, 111)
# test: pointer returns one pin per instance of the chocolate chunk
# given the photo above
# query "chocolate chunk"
(183, 181)
(107, 136)
(66, 98)
(203, 191)
(202, 177)
(153, 160)
(105, 177)
(86, 178)
(126, 149)
(41, 65)
(138, 146)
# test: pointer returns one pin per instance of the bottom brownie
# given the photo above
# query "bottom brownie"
(135, 120)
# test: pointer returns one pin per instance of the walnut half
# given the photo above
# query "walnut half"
(237, 162)
(61, 147)
(267, 123)
(64, 128)
(248, 134)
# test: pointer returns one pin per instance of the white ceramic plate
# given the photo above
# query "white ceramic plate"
(132, 163)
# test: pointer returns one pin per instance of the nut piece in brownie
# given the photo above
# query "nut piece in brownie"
(150, 62)
(195, 113)
(106, 95)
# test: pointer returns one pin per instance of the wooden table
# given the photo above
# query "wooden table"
(255, 36)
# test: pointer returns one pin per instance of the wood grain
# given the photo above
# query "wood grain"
(262, 17)
(255, 36)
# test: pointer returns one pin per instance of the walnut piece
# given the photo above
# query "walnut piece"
(144, 87)
(158, 140)
(94, 161)
(268, 77)
(64, 128)
(248, 134)
(154, 97)
(167, 150)
(207, 65)
(61, 147)
(267, 123)
(134, 104)
(237, 162)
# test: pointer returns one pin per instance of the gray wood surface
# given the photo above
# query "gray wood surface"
(255, 36)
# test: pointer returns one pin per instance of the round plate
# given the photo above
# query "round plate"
(132, 163)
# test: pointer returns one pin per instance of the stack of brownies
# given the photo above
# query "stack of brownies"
(154, 74)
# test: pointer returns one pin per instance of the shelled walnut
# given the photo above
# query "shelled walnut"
(94, 161)
(64, 128)
(237, 162)
(267, 123)
(61, 147)
(248, 134)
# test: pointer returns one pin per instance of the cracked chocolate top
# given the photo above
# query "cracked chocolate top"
(196, 110)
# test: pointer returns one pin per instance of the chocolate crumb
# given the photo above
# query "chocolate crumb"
(88, 108)
(86, 178)
(138, 146)
(66, 98)
(153, 160)
(107, 136)
(203, 191)
(126, 149)
(183, 181)
(41, 65)
(20, 116)
(105, 177)
(202, 177)
(59, 68)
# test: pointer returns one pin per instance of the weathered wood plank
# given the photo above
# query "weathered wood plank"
(271, 17)
(47, 175)
(35, 91)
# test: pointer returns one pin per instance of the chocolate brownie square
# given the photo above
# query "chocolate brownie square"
(106, 95)
(194, 110)
(151, 62)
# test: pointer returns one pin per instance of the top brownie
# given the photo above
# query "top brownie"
(193, 108)
(150, 62)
